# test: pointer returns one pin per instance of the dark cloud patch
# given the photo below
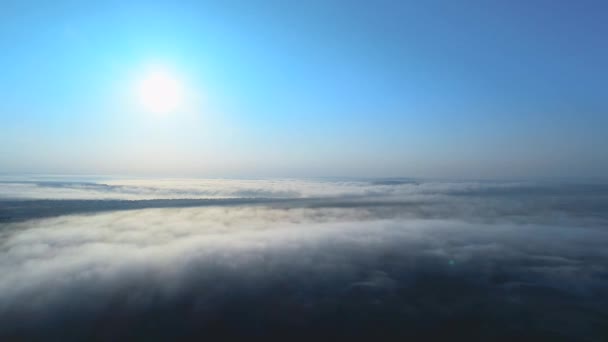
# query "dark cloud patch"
(395, 181)
(22, 210)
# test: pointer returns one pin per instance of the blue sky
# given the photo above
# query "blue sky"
(450, 89)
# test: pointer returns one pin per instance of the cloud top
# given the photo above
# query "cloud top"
(514, 258)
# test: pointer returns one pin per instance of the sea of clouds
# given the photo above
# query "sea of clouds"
(153, 189)
(131, 259)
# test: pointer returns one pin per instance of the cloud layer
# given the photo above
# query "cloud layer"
(149, 189)
(477, 261)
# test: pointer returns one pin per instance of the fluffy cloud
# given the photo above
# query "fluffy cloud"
(296, 265)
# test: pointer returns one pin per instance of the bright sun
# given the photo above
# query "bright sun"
(160, 92)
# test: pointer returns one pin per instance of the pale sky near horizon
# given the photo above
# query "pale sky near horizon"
(452, 89)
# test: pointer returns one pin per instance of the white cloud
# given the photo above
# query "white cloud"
(47, 261)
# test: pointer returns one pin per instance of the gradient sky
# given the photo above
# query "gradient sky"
(451, 89)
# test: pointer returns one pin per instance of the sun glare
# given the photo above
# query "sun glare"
(160, 92)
